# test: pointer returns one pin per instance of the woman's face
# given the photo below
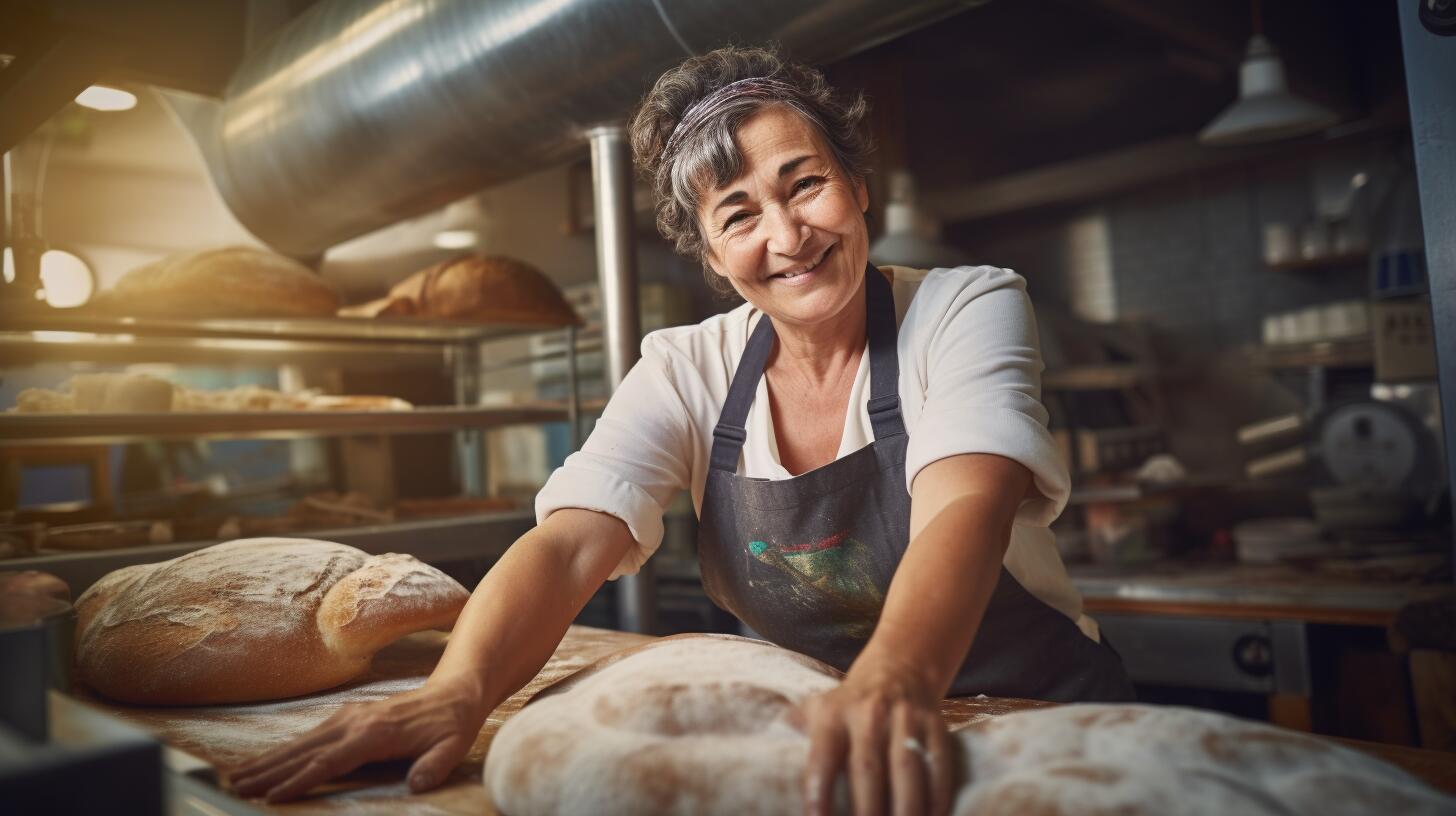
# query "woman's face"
(789, 233)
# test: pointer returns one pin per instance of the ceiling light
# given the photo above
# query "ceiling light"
(911, 238)
(1265, 110)
(456, 239)
(102, 98)
(66, 280)
(460, 224)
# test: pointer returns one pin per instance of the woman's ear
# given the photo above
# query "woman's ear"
(862, 195)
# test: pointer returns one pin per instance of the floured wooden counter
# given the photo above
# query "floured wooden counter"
(225, 735)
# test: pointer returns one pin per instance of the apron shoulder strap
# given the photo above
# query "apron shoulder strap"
(884, 402)
(730, 433)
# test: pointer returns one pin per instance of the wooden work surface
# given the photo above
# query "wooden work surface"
(1354, 593)
(225, 735)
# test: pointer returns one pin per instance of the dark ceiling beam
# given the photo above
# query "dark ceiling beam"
(58, 65)
(1208, 38)
(1118, 171)
(190, 45)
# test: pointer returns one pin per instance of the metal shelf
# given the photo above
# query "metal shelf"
(1103, 377)
(434, 541)
(30, 337)
(350, 329)
(98, 429)
(1343, 259)
(1351, 353)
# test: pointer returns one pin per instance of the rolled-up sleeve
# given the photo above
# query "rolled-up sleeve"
(983, 385)
(637, 458)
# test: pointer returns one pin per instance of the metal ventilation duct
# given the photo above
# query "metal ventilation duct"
(360, 114)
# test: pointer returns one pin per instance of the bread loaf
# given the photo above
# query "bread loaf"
(477, 289)
(696, 725)
(34, 582)
(120, 393)
(226, 282)
(254, 619)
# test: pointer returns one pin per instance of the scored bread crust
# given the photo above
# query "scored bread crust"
(224, 282)
(475, 288)
(253, 619)
(704, 725)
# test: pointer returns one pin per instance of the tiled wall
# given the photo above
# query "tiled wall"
(1185, 255)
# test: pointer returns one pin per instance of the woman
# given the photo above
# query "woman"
(873, 496)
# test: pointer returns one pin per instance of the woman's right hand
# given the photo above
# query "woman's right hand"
(437, 722)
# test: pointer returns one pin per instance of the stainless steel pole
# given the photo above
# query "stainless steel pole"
(621, 328)
(1430, 63)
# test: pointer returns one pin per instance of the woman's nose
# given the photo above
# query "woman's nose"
(787, 232)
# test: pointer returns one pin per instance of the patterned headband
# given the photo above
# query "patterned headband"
(706, 108)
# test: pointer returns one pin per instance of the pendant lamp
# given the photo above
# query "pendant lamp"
(911, 238)
(1266, 110)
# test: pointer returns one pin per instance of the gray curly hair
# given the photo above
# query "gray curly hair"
(704, 155)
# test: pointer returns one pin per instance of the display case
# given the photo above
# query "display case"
(362, 477)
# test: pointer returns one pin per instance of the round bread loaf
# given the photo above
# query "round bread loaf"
(226, 282)
(34, 582)
(696, 725)
(478, 289)
(254, 619)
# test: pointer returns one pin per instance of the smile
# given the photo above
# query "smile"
(805, 269)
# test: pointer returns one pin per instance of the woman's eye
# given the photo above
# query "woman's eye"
(735, 218)
(806, 182)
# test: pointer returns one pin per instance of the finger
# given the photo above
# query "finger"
(827, 746)
(321, 768)
(944, 765)
(263, 781)
(321, 735)
(436, 764)
(908, 771)
(867, 759)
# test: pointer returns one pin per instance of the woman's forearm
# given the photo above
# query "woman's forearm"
(519, 613)
(940, 592)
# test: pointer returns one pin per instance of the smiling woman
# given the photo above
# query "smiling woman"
(802, 423)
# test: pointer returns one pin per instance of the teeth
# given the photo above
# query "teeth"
(810, 268)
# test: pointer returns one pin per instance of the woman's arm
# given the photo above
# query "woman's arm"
(513, 622)
(960, 527)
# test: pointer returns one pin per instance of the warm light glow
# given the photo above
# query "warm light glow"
(456, 239)
(102, 98)
(66, 281)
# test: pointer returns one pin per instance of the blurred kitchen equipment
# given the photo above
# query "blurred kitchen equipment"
(1278, 243)
(1405, 347)
(1398, 257)
(1315, 239)
(35, 649)
(1268, 541)
(1378, 459)
(1125, 533)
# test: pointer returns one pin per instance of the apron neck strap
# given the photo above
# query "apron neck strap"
(884, 403)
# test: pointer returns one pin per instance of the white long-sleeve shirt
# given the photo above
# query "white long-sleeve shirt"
(970, 369)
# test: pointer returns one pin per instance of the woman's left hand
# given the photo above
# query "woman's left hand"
(883, 727)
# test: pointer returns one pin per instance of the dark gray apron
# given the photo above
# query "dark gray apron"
(806, 561)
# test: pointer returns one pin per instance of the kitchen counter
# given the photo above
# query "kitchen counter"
(1365, 593)
(224, 735)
